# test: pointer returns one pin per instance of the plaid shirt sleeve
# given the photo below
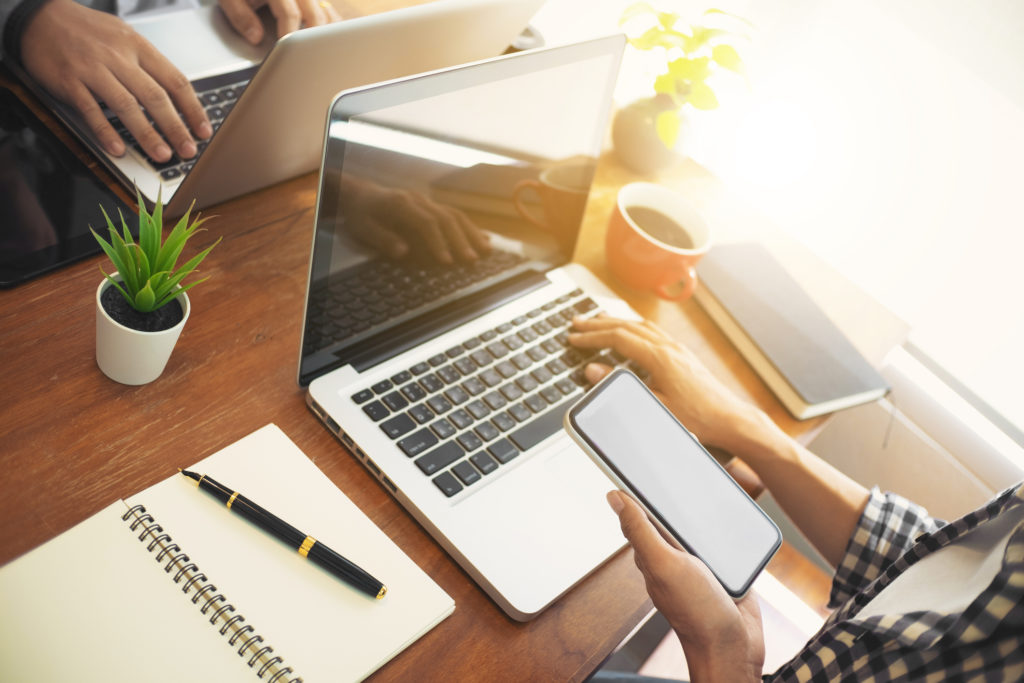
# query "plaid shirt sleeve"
(887, 528)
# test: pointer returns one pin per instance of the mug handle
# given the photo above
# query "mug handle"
(520, 187)
(689, 284)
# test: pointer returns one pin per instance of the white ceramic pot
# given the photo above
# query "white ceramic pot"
(130, 356)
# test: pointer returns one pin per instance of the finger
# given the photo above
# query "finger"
(312, 12)
(456, 237)
(622, 339)
(644, 329)
(595, 372)
(409, 215)
(646, 540)
(385, 241)
(158, 105)
(83, 100)
(243, 19)
(332, 14)
(177, 85)
(479, 239)
(122, 102)
(287, 15)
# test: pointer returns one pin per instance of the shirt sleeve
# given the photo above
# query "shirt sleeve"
(14, 16)
(888, 527)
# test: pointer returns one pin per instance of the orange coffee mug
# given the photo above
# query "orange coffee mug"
(563, 191)
(655, 239)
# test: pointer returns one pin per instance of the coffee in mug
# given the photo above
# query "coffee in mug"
(655, 239)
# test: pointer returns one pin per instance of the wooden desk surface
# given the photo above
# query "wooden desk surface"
(72, 441)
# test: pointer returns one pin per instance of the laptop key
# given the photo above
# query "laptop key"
(449, 374)
(532, 433)
(520, 412)
(440, 457)
(382, 386)
(503, 450)
(398, 425)
(431, 383)
(376, 411)
(469, 441)
(443, 428)
(483, 462)
(414, 392)
(402, 377)
(461, 419)
(456, 395)
(466, 473)
(419, 368)
(437, 360)
(421, 413)
(362, 396)
(486, 431)
(416, 443)
(439, 404)
(394, 400)
(447, 483)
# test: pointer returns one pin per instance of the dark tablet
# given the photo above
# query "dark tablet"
(48, 198)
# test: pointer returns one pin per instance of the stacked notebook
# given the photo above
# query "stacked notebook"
(796, 349)
(170, 585)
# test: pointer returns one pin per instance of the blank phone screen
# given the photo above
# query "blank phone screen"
(679, 482)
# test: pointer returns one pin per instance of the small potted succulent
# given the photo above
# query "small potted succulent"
(646, 132)
(142, 306)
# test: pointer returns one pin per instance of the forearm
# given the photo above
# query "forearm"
(824, 503)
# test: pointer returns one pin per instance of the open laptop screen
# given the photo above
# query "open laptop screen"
(444, 194)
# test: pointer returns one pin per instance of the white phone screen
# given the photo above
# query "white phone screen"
(679, 482)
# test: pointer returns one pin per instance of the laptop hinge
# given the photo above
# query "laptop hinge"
(387, 345)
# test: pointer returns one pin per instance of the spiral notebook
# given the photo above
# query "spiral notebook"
(169, 585)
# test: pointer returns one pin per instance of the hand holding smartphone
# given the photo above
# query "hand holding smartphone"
(651, 456)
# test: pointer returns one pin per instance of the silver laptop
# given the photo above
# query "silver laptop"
(449, 382)
(266, 103)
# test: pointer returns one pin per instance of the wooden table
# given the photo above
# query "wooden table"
(72, 441)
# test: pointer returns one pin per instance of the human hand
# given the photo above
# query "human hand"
(399, 222)
(723, 639)
(695, 396)
(83, 56)
(290, 15)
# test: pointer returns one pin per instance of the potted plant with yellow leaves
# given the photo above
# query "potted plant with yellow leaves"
(142, 306)
(646, 133)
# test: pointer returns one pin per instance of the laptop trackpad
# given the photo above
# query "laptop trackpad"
(212, 46)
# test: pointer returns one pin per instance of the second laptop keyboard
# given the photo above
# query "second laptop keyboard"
(218, 95)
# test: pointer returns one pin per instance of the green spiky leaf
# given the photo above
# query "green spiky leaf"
(147, 269)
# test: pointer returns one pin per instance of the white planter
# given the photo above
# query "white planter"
(129, 356)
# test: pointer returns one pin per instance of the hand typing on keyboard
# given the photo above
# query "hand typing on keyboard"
(677, 377)
(83, 56)
(399, 223)
(290, 15)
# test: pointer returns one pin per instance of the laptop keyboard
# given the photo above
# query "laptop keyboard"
(462, 414)
(378, 291)
(217, 94)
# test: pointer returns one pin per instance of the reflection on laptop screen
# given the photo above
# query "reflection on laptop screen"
(441, 192)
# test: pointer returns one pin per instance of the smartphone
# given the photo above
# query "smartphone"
(687, 494)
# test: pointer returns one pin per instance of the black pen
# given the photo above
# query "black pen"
(307, 546)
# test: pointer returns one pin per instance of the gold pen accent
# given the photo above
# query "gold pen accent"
(306, 545)
(383, 590)
(232, 498)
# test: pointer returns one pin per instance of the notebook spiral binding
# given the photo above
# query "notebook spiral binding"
(187, 574)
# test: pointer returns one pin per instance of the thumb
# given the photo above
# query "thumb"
(595, 372)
